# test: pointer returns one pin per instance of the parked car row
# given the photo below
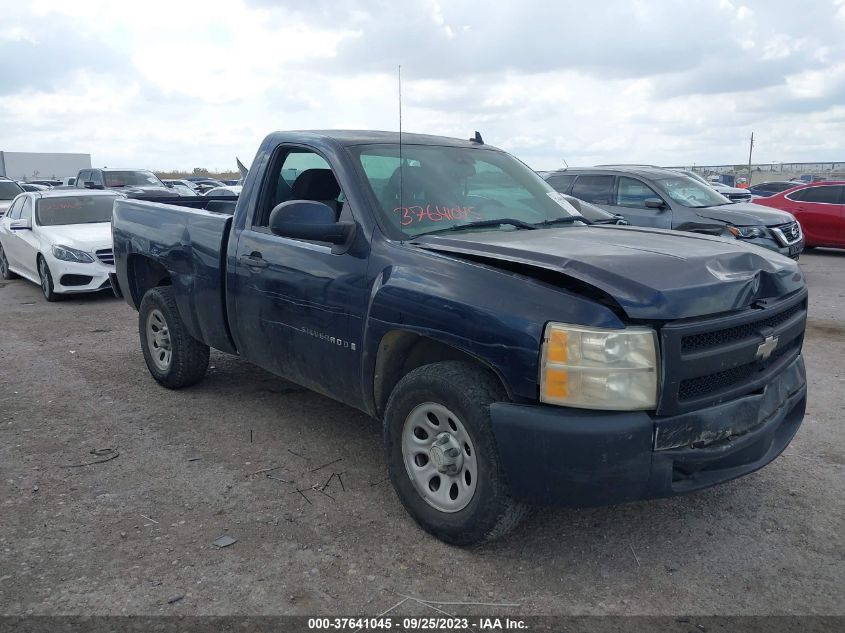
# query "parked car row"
(666, 199)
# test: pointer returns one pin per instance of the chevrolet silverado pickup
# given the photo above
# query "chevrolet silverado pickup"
(514, 354)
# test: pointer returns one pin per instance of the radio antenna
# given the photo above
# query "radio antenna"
(401, 205)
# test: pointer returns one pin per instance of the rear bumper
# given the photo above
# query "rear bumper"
(555, 455)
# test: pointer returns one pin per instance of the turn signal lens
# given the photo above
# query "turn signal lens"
(557, 383)
(557, 352)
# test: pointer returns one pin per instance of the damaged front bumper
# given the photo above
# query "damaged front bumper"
(556, 455)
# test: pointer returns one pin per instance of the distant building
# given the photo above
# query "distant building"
(40, 165)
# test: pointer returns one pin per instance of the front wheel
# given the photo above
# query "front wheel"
(441, 454)
(5, 271)
(46, 280)
(174, 358)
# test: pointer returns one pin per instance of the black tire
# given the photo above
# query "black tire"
(5, 273)
(467, 390)
(46, 280)
(187, 360)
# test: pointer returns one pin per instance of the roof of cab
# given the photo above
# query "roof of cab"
(367, 137)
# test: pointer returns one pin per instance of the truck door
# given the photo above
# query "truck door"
(299, 305)
(9, 239)
(629, 201)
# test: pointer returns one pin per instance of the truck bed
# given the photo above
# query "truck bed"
(186, 238)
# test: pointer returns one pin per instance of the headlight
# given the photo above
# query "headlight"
(747, 232)
(68, 254)
(594, 368)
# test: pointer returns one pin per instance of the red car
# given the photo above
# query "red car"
(819, 207)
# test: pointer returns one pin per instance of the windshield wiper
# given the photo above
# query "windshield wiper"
(481, 224)
(567, 219)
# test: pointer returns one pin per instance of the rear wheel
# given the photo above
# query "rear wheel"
(442, 457)
(5, 272)
(174, 358)
(46, 280)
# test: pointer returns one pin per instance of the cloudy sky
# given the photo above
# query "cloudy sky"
(182, 84)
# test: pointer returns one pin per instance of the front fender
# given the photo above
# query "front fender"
(495, 316)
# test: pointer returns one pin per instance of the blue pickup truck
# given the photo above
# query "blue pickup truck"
(514, 354)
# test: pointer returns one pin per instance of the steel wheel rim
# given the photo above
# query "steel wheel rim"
(158, 340)
(42, 273)
(430, 436)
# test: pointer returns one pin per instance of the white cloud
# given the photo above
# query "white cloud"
(181, 84)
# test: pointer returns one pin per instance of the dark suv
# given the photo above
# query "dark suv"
(661, 198)
(132, 183)
(9, 190)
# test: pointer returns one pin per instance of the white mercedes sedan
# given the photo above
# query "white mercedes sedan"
(59, 239)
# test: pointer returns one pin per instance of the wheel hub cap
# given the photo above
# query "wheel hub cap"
(158, 340)
(445, 454)
(439, 457)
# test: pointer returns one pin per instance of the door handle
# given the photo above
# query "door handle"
(253, 260)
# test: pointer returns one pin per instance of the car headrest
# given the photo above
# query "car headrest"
(316, 184)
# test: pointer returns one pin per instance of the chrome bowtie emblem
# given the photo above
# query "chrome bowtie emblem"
(765, 349)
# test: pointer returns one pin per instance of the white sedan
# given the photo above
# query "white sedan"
(59, 239)
(229, 191)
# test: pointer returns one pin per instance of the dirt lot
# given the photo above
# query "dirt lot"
(128, 535)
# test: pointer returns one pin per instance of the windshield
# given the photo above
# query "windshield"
(691, 193)
(131, 179)
(73, 210)
(8, 190)
(441, 187)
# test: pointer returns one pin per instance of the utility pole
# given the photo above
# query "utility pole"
(750, 149)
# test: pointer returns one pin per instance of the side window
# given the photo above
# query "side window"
(26, 210)
(824, 195)
(633, 193)
(298, 174)
(81, 178)
(595, 189)
(15, 210)
(560, 182)
(96, 177)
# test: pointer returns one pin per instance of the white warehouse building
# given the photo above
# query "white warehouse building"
(41, 165)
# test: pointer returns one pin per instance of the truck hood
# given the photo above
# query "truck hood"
(649, 273)
(745, 214)
(728, 189)
(85, 237)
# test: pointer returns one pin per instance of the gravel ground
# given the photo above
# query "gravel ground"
(133, 535)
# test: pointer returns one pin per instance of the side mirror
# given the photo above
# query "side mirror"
(20, 225)
(89, 184)
(654, 203)
(308, 220)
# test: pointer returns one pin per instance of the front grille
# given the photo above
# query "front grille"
(709, 361)
(106, 256)
(788, 233)
(736, 333)
(739, 197)
(705, 385)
